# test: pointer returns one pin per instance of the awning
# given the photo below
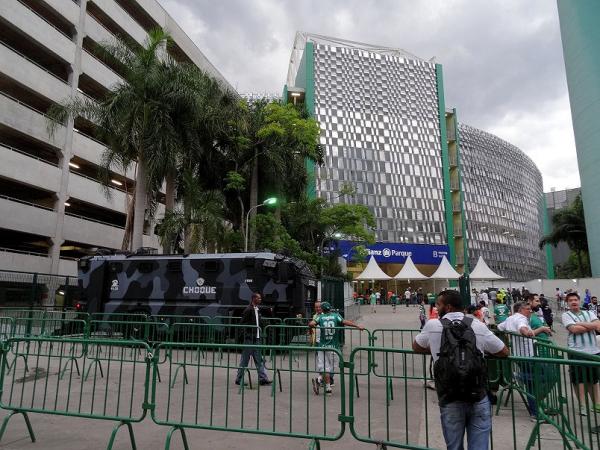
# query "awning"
(483, 272)
(410, 272)
(445, 271)
(373, 272)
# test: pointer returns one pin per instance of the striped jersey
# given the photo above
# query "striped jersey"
(584, 342)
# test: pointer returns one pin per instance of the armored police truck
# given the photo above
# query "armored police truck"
(196, 284)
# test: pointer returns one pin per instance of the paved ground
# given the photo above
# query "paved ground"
(408, 413)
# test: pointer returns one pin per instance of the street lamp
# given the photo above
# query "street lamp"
(268, 202)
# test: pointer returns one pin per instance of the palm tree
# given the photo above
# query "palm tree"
(198, 220)
(568, 225)
(148, 120)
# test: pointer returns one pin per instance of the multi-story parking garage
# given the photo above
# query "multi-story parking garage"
(52, 206)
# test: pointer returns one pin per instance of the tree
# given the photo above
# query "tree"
(568, 225)
(198, 220)
(161, 113)
(278, 141)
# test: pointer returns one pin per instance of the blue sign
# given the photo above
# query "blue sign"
(393, 252)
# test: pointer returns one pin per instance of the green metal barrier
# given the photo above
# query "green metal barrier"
(118, 317)
(119, 394)
(403, 364)
(7, 325)
(211, 400)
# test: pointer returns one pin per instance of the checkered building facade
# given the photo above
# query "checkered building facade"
(379, 121)
(503, 201)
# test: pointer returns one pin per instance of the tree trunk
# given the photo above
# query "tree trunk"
(139, 208)
(242, 216)
(170, 181)
(253, 201)
(125, 245)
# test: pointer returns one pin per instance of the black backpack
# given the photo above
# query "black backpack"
(460, 371)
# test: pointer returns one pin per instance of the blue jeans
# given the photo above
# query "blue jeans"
(476, 418)
(258, 362)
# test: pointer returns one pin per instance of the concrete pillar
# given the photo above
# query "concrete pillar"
(67, 149)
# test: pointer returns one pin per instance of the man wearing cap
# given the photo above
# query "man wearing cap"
(328, 338)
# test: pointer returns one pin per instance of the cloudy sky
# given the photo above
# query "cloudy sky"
(502, 59)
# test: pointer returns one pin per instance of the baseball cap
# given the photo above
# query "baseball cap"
(325, 306)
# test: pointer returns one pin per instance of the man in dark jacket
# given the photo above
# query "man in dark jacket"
(252, 335)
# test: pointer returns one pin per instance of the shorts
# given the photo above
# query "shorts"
(580, 374)
(327, 361)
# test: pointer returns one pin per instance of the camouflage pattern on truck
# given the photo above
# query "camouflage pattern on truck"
(205, 285)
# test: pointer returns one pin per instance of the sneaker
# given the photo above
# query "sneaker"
(315, 385)
(265, 382)
(583, 411)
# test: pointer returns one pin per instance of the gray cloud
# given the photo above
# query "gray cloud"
(502, 59)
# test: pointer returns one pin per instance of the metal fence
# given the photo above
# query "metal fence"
(124, 371)
(24, 289)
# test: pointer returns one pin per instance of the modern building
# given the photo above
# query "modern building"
(387, 132)
(581, 45)
(555, 201)
(503, 192)
(53, 207)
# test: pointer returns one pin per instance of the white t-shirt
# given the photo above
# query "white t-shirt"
(521, 345)
(584, 342)
(407, 295)
(431, 336)
(484, 297)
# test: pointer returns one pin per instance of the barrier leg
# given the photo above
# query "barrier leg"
(13, 365)
(95, 362)
(185, 378)
(114, 435)
(183, 437)
(73, 361)
(356, 384)
(314, 445)
(27, 422)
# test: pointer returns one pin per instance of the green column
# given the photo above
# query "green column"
(548, 249)
(445, 164)
(580, 32)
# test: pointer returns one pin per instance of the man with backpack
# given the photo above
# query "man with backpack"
(457, 345)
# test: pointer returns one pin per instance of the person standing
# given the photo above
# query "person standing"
(327, 360)
(539, 326)
(251, 317)
(463, 400)
(422, 313)
(407, 295)
(373, 300)
(523, 346)
(483, 297)
(547, 311)
(582, 327)
(501, 312)
(394, 301)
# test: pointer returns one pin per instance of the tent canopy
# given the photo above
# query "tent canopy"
(373, 272)
(410, 272)
(483, 272)
(445, 271)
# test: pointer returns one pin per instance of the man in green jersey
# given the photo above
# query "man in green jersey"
(328, 324)
(501, 312)
(536, 321)
(394, 300)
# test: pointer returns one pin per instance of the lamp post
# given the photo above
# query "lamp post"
(270, 201)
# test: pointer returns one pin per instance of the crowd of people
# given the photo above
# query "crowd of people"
(464, 398)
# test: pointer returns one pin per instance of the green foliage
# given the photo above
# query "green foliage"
(572, 269)
(568, 225)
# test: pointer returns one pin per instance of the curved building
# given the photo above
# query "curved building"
(503, 200)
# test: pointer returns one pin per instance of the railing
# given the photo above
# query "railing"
(110, 186)
(205, 386)
(45, 20)
(34, 63)
(91, 55)
(94, 220)
(23, 252)
(4, 94)
(25, 202)
(8, 147)
(78, 131)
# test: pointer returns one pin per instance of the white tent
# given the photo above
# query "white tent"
(410, 272)
(445, 271)
(483, 272)
(373, 272)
